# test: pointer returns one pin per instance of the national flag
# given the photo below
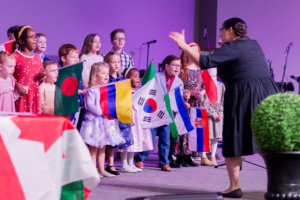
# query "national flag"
(74, 118)
(150, 106)
(150, 74)
(66, 90)
(181, 122)
(209, 77)
(199, 137)
(44, 158)
(116, 101)
(7, 46)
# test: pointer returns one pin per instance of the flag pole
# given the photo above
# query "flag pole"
(107, 84)
(71, 65)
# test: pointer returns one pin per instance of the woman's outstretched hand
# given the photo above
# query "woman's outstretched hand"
(178, 38)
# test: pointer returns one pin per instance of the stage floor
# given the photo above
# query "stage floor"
(191, 180)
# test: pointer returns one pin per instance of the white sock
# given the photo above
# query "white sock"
(203, 154)
(130, 158)
(214, 146)
(124, 159)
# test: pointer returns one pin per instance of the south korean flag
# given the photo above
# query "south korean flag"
(150, 106)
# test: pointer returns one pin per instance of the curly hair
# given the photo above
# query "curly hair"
(184, 61)
(4, 55)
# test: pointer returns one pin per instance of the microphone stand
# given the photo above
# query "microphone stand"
(284, 68)
(205, 35)
(271, 69)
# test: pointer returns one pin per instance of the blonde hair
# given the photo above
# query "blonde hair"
(4, 55)
(94, 70)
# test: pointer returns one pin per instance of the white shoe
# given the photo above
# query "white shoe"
(196, 158)
(128, 169)
(107, 175)
(100, 175)
(135, 168)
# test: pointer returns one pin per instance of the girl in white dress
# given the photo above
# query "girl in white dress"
(142, 137)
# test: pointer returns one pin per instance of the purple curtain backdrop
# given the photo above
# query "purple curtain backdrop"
(70, 21)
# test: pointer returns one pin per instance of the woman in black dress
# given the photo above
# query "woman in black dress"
(243, 67)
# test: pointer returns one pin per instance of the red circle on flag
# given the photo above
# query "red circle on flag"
(69, 86)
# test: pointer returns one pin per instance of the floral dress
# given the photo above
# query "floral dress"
(26, 71)
(193, 82)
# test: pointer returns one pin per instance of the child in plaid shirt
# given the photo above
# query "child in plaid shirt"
(118, 41)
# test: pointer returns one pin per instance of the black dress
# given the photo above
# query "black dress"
(243, 67)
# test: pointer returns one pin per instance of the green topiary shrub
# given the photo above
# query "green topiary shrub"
(276, 123)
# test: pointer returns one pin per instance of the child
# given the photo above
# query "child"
(90, 54)
(68, 55)
(117, 39)
(29, 71)
(41, 46)
(215, 123)
(142, 137)
(167, 80)
(47, 89)
(97, 131)
(7, 82)
(10, 33)
(114, 61)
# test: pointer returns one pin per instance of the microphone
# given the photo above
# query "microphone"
(205, 30)
(290, 45)
(153, 41)
(269, 61)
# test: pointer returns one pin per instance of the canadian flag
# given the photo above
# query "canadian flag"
(209, 77)
(7, 46)
(44, 157)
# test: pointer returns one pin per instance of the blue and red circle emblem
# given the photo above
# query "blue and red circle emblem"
(150, 106)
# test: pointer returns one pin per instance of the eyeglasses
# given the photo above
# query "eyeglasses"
(119, 39)
(179, 66)
(33, 37)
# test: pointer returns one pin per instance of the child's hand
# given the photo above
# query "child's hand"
(197, 94)
(51, 111)
(40, 76)
(187, 95)
(80, 92)
(26, 88)
(220, 117)
(20, 89)
(187, 105)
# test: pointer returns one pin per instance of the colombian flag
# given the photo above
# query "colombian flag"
(116, 101)
(199, 137)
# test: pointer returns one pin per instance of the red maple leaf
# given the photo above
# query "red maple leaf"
(42, 128)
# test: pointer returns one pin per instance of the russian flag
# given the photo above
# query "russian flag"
(116, 101)
(209, 77)
(7, 46)
(199, 137)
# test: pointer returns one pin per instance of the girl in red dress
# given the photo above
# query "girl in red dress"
(29, 71)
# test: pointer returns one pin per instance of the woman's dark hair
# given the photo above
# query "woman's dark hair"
(87, 45)
(238, 25)
(23, 36)
(168, 60)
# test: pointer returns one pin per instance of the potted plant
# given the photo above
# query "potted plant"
(276, 128)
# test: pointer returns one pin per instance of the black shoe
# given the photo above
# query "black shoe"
(111, 171)
(190, 162)
(233, 194)
(180, 160)
(173, 164)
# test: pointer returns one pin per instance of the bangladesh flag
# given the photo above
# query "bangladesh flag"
(150, 74)
(66, 90)
(44, 158)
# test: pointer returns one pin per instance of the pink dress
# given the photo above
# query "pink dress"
(27, 68)
(7, 87)
(142, 137)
